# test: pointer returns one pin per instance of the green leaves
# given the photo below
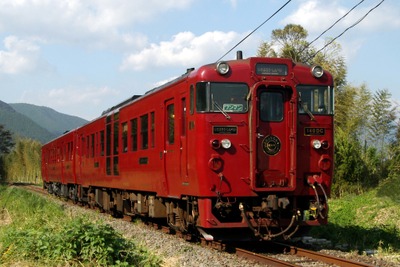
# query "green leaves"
(41, 232)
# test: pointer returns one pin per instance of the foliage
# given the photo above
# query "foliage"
(6, 141)
(366, 221)
(41, 233)
(290, 42)
(22, 164)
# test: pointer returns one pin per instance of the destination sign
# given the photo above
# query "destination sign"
(225, 129)
(271, 69)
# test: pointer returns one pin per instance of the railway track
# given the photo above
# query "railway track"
(294, 256)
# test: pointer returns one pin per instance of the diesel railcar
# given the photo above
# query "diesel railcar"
(237, 149)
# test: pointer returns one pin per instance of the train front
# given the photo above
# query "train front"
(268, 128)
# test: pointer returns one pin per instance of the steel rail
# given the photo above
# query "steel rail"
(326, 258)
(262, 258)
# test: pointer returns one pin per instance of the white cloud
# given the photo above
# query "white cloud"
(19, 56)
(185, 49)
(89, 22)
(317, 15)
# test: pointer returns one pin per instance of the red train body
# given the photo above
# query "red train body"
(240, 147)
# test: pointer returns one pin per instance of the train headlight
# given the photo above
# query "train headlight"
(316, 144)
(226, 143)
(317, 71)
(223, 67)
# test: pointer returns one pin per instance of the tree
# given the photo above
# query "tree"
(290, 42)
(6, 140)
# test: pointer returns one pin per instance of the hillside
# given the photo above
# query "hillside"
(21, 125)
(35, 122)
(49, 119)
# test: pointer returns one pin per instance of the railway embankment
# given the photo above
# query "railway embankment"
(362, 227)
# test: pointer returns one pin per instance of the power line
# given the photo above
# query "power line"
(348, 28)
(276, 12)
(330, 27)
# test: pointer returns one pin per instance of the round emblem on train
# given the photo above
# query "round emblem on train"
(271, 145)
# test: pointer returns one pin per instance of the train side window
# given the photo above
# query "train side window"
(134, 135)
(124, 137)
(271, 106)
(152, 129)
(144, 131)
(171, 123)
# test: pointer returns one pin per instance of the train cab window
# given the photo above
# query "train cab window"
(144, 131)
(271, 106)
(221, 97)
(315, 99)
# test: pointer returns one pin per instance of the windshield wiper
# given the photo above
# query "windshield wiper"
(219, 108)
(305, 107)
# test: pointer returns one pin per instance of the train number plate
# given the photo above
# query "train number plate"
(314, 131)
(225, 129)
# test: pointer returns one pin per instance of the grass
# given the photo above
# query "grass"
(35, 231)
(367, 221)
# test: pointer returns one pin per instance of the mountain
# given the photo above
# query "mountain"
(39, 123)
(55, 122)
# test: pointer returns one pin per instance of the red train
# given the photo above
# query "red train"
(238, 149)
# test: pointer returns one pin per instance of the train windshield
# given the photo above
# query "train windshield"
(221, 97)
(315, 99)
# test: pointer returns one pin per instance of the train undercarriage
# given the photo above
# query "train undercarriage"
(267, 218)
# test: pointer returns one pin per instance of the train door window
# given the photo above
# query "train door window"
(87, 146)
(96, 142)
(108, 140)
(271, 106)
(124, 137)
(183, 119)
(171, 123)
(108, 145)
(144, 131)
(92, 145)
(134, 134)
(116, 144)
(101, 143)
(152, 129)
(116, 133)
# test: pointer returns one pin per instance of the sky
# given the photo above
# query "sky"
(81, 57)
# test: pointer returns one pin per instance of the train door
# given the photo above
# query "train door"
(172, 148)
(183, 143)
(273, 138)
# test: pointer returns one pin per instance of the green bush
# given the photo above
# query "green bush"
(41, 233)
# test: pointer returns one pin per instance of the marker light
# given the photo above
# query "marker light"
(226, 143)
(215, 144)
(316, 144)
(317, 71)
(325, 144)
(222, 68)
